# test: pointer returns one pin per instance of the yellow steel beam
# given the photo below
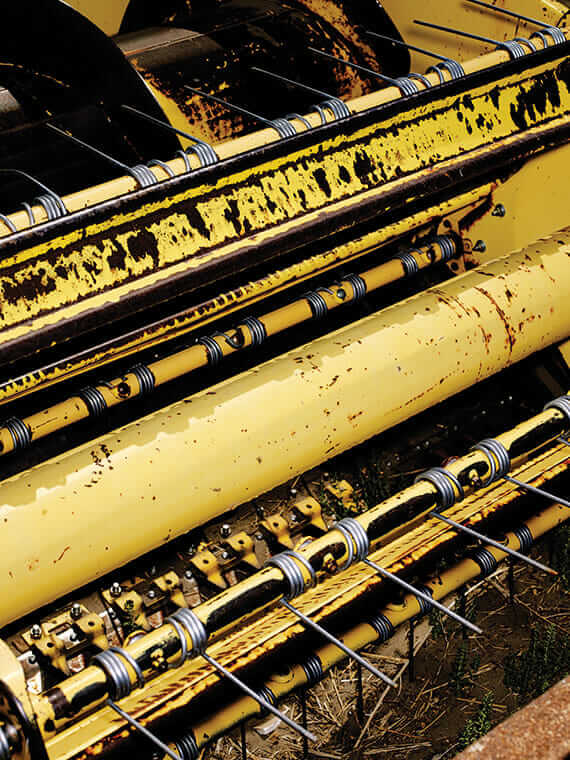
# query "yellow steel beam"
(185, 464)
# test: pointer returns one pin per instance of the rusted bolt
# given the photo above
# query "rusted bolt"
(36, 631)
(115, 589)
(75, 611)
(499, 211)
(480, 246)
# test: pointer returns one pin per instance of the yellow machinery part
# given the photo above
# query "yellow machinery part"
(99, 506)
(106, 14)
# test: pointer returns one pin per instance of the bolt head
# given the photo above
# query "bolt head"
(225, 555)
(116, 589)
(36, 631)
(188, 575)
(499, 211)
(225, 530)
(75, 611)
(151, 594)
(293, 492)
(480, 246)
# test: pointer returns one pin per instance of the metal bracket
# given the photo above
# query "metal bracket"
(206, 565)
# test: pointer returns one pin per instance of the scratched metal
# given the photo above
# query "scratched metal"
(161, 242)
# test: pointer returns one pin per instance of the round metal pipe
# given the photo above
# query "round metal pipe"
(84, 513)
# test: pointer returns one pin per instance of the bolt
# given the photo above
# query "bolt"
(36, 631)
(499, 211)
(191, 550)
(259, 536)
(151, 594)
(225, 530)
(341, 294)
(480, 246)
(75, 611)
(32, 659)
(116, 589)
(188, 575)
(225, 555)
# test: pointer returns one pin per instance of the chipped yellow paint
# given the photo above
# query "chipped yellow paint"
(228, 302)
(278, 195)
(327, 392)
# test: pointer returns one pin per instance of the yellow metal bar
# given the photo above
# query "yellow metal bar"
(228, 302)
(129, 386)
(95, 508)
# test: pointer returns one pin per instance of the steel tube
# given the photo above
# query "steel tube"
(183, 465)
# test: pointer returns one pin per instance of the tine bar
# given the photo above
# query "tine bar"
(334, 640)
(513, 48)
(492, 542)
(258, 698)
(144, 731)
(403, 44)
(162, 124)
(507, 12)
(421, 595)
(357, 66)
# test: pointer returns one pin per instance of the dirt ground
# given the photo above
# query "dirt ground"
(456, 678)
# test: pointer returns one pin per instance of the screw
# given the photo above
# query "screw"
(480, 246)
(293, 493)
(188, 575)
(225, 530)
(75, 611)
(36, 631)
(259, 536)
(499, 211)
(225, 555)
(116, 589)
(151, 594)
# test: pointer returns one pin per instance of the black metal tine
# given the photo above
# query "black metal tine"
(258, 698)
(537, 491)
(244, 741)
(459, 32)
(231, 106)
(492, 542)
(421, 595)
(292, 82)
(163, 124)
(359, 694)
(144, 731)
(377, 74)
(337, 642)
(92, 148)
(409, 47)
(507, 12)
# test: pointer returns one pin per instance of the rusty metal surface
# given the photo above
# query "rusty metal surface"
(126, 254)
(539, 731)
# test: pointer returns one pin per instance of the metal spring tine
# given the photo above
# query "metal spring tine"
(144, 731)
(92, 148)
(337, 642)
(293, 83)
(426, 597)
(57, 199)
(459, 32)
(417, 49)
(537, 491)
(231, 106)
(163, 124)
(259, 699)
(377, 74)
(563, 440)
(492, 542)
(507, 12)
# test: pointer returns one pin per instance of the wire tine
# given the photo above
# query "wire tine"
(507, 12)
(144, 731)
(334, 640)
(353, 65)
(408, 47)
(292, 82)
(231, 106)
(259, 699)
(163, 124)
(426, 597)
(459, 32)
(565, 441)
(87, 146)
(492, 542)
(537, 491)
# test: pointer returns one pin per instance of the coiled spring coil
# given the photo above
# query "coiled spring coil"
(213, 350)
(445, 483)
(556, 34)
(382, 626)
(112, 663)
(455, 69)
(144, 377)
(357, 541)
(256, 329)
(561, 404)
(524, 536)
(498, 458)
(93, 400)
(313, 669)
(358, 286)
(19, 432)
(292, 573)
(486, 561)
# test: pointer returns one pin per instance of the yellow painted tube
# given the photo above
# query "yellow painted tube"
(101, 505)
(129, 386)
